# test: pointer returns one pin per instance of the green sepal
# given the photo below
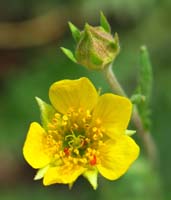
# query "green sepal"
(75, 31)
(91, 175)
(70, 185)
(46, 110)
(69, 54)
(130, 132)
(95, 59)
(104, 23)
(41, 172)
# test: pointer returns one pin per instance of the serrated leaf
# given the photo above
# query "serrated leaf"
(69, 54)
(75, 32)
(46, 110)
(104, 23)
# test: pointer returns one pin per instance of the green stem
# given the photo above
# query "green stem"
(145, 136)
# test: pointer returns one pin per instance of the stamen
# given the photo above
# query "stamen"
(66, 151)
(93, 161)
(98, 121)
(73, 139)
(94, 129)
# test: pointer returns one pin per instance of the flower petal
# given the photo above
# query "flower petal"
(116, 156)
(114, 113)
(62, 174)
(75, 94)
(33, 149)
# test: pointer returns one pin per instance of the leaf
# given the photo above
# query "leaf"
(75, 32)
(69, 54)
(47, 112)
(137, 98)
(146, 76)
(145, 87)
(104, 23)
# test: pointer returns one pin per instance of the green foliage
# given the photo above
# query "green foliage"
(146, 76)
(137, 98)
(143, 94)
(34, 76)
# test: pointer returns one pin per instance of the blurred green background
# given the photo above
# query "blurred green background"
(31, 33)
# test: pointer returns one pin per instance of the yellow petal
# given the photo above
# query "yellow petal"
(116, 157)
(62, 174)
(33, 149)
(75, 94)
(114, 113)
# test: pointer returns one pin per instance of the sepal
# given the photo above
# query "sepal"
(75, 31)
(46, 110)
(41, 172)
(91, 175)
(104, 23)
(130, 132)
(69, 54)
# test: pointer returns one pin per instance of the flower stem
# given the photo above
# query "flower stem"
(145, 136)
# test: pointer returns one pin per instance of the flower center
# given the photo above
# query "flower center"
(75, 137)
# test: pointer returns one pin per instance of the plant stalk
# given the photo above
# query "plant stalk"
(145, 136)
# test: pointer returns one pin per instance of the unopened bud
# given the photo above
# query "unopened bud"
(96, 48)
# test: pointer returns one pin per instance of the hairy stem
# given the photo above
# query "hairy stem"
(145, 136)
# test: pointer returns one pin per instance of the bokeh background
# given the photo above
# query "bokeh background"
(31, 33)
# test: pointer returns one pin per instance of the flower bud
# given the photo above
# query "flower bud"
(96, 48)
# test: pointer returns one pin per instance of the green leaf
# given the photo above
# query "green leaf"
(137, 98)
(145, 87)
(104, 23)
(47, 112)
(69, 54)
(146, 76)
(75, 32)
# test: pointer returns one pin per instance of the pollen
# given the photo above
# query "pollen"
(72, 138)
(93, 160)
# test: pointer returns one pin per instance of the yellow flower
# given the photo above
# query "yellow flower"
(82, 133)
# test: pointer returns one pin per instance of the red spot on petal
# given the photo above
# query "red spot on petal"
(93, 161)
(66, 151)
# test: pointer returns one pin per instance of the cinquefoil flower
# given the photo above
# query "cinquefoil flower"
(82, 133)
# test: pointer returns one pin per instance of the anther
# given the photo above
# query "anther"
(98, 121)
(94, 129)
(65, 118)
(66, 151)
(93, 161)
